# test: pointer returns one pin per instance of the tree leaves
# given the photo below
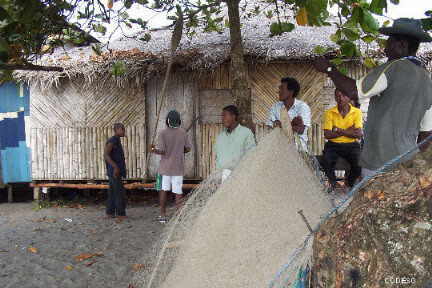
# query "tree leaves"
(118, 68)
(378, 6)
(278, 28)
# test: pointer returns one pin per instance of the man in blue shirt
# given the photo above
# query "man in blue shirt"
(116, 170)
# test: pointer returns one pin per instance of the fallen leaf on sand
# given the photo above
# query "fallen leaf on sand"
(90, 263)
(69, 268)
(137, 267)
(46, 219)
(33, 250)
(173, 245)
(85, 256)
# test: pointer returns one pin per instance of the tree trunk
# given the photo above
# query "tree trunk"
(238, 68)
(384, 237)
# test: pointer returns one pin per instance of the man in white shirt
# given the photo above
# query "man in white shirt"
(298, 111)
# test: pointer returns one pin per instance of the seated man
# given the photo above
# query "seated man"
(290, 109)
(342, 128)
(233, 142)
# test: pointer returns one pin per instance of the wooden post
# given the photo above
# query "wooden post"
(10, 193)
(36, 193)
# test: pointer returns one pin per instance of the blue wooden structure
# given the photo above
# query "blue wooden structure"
(15, 157)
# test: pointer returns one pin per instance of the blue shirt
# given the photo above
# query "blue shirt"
(117, 155)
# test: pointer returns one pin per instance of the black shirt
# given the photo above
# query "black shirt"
(117, 155)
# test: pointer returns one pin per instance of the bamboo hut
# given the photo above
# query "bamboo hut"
(71, 112)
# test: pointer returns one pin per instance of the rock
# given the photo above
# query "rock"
(384, 237)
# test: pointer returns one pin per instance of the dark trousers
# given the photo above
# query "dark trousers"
(348, 151)
(116, 202)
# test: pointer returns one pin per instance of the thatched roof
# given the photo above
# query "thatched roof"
(204, 51)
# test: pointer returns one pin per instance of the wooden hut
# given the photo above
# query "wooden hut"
(71, 112)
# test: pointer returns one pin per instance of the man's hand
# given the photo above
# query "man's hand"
(298, 125)
(116, 172)
(152, 148)
(277, 123)
(322, 64)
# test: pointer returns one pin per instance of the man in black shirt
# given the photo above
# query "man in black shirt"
(116, 170)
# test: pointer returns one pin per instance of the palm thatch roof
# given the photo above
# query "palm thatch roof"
(204, 51)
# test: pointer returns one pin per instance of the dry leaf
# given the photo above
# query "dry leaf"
(137, 267)
(90, 263)
(33, 250)
(425, 182)
(69, 268)
(86, 256)
(381, 195)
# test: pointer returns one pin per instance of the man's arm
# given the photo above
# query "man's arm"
(298, 125)
(421, 137)
(273, 120)
(154, 150)
(342, 82)
(352, 132)
(107, 151)
(330, 134)
(188, 145)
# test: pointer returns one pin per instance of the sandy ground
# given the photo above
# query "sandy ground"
(39, 248)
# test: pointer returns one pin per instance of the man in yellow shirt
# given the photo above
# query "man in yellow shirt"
(342, 128)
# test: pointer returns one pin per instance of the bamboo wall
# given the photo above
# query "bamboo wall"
(69, 125)
(77, 153)
(68, 128)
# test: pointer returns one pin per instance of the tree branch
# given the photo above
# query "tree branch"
(30, 67)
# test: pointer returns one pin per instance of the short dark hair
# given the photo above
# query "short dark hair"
(413, 43)
(292, 85)
(118, 126)
(233, 110)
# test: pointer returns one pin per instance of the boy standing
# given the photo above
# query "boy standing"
(116, 170)
(173, 142)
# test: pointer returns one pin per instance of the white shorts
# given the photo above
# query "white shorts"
(174, 182)
(225, 174)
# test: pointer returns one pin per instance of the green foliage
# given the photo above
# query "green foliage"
(278, 28)
(118, 68)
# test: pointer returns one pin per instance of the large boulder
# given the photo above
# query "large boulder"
(384, 237)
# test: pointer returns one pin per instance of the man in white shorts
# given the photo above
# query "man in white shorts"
(173, 142)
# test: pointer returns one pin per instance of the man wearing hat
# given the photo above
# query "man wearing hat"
(400, 93)
(173, 142)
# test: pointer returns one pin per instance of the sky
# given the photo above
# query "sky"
(406, 8)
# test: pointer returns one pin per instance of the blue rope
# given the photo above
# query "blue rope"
(353, 191)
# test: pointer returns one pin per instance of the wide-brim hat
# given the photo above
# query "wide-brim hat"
(407, 27)
(173, 119)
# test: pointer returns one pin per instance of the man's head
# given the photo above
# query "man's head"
(173, 119)
(289, 88)
(119, 129)
(341, 98)
(399, 46)
(230, 116)
(405, 37)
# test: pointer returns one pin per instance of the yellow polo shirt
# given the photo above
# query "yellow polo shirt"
(332, 119)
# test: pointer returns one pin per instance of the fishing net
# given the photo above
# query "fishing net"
(241, 233)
